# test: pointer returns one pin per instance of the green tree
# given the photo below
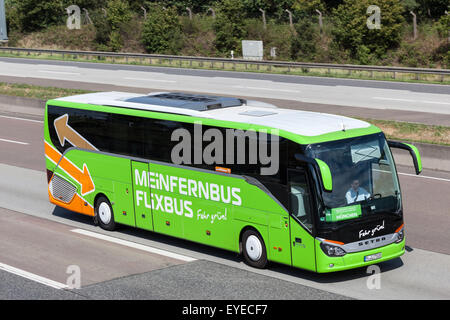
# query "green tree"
(229, 26)
(275, 9)
(108, 29)
(303, 41)
(443, 26)
(197, 6)
(351, 32)
(118, 12)
(161, 32)
(36, 15)
(432, 8)
(308, 6)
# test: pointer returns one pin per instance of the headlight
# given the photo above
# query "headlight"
(332, 251)
(400, 235)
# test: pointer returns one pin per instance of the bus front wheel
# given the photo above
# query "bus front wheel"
(105, 214)
(253, 249)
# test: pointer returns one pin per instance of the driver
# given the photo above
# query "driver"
(356, 193)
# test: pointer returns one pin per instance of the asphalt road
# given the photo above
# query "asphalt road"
(30, 225)
(379, 95)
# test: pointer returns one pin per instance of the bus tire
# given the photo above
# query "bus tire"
(254, 249)
(105, 214)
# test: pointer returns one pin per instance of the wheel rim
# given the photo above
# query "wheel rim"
(254, 248)
(104, 213)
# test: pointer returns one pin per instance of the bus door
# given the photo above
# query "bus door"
(300, 208)
(142, 195)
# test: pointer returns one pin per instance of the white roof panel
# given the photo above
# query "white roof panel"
(253, 112)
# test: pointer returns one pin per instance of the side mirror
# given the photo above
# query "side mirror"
(325, 173)
(412, 150)
(322, 170)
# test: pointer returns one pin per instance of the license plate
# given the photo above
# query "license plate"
(372, 257)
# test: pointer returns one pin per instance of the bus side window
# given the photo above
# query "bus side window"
(300, 198)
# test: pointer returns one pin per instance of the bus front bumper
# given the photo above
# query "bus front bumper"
(325, 263)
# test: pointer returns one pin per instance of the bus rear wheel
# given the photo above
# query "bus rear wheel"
(105, 214)
(254, 249)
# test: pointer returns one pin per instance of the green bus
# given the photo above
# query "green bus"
(310, 190)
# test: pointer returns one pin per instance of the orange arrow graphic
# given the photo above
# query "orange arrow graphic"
(82, 176)
(67, 133)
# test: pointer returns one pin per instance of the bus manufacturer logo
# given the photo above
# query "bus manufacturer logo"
(371, 241)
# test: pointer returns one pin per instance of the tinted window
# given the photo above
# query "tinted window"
(151, 139)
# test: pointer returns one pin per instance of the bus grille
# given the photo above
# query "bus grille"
(62, 189)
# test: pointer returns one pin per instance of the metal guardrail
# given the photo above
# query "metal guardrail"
(220, 62)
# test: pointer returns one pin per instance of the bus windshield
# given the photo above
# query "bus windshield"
(364, 178)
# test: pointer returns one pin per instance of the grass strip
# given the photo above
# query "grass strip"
(37, 92)
(413, 132)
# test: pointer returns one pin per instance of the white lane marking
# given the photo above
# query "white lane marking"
(424, 177)
(60, 72)
(134, 245)
(410, 100)
(23, 119)
(12, 141)
(436, 102)
(32, 276)
(266, 89)
(154, 80)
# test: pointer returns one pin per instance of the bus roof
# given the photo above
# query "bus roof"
(299, 122)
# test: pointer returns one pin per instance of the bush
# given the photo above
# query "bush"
(350, 31)
(443, 26)
(303, 42)
(31, 15)
(108, 29)
(230, 27)
(161, 32)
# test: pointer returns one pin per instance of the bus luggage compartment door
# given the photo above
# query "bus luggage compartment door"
(303, 251)
(142, 195)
